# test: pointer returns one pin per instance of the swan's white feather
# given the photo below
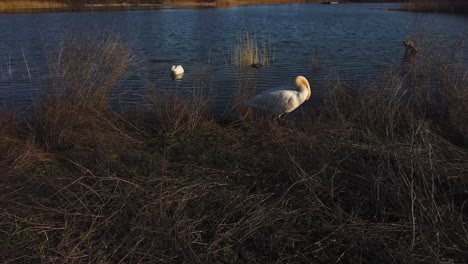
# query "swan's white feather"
(281, 100)
(176, 70)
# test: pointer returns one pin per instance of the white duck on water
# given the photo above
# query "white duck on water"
(282, 100)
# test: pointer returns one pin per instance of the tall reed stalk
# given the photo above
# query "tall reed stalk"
(246, 51)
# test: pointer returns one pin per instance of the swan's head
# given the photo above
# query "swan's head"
(301, 81)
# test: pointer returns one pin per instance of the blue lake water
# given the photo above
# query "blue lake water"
(352, 42)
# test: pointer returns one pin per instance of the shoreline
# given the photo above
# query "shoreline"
(33, 6)
(107, 8)
(141, 7)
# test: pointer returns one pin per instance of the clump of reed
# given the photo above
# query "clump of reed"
(83, 75)
(247, 52)
(53, 153)
(176, 112)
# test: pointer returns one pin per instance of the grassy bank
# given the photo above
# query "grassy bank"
(376, 174)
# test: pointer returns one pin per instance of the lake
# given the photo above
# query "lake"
(350, 42)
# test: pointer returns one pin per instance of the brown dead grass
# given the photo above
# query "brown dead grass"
(83, 73)
(377, 174)
(29, 4)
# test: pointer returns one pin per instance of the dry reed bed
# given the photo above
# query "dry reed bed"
(375, 175)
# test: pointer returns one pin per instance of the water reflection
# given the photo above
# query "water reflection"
(175, 76)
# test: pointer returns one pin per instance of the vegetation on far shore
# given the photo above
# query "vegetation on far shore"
(375, 174)
(12, 6)
(19, 5)
(96, 5)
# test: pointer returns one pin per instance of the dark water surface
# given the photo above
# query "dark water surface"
(353, 42)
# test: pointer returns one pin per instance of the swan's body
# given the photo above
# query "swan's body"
(281, 100)
(177, 70)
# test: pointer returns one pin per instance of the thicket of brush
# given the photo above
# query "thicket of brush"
(374, 175)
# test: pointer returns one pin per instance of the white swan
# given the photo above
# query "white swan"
(281, 100)
(177, 70)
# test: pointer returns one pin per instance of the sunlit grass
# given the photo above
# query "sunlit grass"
(28, 4)
(83, 74)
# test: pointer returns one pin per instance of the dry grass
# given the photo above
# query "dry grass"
(83, 73)
(176, 112)
(246, 52)
(25, 4)
(377, 175)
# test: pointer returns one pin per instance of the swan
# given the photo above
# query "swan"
(281, 100)
(177, 70)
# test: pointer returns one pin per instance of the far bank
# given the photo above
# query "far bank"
(28, 6)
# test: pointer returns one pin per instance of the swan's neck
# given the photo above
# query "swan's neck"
(303, 87)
